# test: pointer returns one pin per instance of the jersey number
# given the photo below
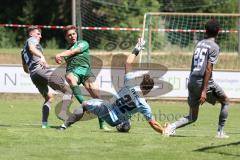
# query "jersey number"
(199, 56)
(125, 103)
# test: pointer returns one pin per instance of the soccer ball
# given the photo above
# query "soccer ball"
(124, 126)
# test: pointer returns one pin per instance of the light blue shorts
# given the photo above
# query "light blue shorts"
(98, 107)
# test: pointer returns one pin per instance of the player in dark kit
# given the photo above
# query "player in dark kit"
(33, 62)
(201, 86)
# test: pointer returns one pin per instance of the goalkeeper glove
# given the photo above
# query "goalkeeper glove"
(139, 46)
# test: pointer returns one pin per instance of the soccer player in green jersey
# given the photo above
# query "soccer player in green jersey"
(78, 69)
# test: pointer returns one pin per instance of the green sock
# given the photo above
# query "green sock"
(77, 93)
(101, 123)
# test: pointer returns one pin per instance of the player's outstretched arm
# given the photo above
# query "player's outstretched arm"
(70, 52)
(130, 59)
(156, 126)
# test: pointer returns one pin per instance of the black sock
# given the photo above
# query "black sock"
(45, 112)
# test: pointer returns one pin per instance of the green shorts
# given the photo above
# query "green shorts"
(82, 73)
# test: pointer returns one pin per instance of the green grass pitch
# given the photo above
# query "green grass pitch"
(22, 138)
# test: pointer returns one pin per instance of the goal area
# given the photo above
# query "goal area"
(171, 37)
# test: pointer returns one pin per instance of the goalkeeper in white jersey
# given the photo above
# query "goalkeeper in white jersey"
(127, 102)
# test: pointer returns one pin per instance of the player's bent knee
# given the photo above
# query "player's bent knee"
(85, 105)
(225, 101)
(70, 79)
(49, 98)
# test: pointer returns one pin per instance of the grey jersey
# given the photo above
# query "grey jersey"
(32, 61)
(205, 51)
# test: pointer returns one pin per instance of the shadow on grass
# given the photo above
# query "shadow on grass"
(26, 126)
(233, 133)
(209, 148)
(181, 136)
(54, 127)
(104, 131)
(185, 136)
(4, 125)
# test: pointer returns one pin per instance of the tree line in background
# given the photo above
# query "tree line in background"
(109, 13)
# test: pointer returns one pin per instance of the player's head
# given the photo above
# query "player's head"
(70, 34)
(146, 84)
(212, 27)
(34, 31)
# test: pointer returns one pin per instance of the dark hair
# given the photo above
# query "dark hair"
(31, 28)
(147, 83)
(212, 27)
(69, 27)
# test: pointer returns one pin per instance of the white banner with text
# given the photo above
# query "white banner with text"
(14, 80)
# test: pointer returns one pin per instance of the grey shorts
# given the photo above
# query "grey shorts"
(97, 107)
(43, 78)
(214, 92)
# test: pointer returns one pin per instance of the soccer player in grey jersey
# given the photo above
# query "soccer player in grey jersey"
(34, 63)
(201, 86)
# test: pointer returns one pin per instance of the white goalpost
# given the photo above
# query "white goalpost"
(176, 33)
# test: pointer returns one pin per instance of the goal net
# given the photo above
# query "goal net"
(170, 38)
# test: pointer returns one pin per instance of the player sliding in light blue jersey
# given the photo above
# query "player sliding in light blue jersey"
(128, 101)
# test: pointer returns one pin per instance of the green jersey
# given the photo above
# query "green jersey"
(81, 59)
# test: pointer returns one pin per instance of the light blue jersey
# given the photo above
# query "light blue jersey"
(127, 102)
